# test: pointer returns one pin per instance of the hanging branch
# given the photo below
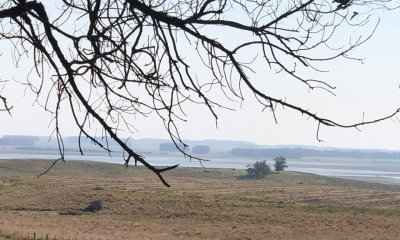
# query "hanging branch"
(109, 61)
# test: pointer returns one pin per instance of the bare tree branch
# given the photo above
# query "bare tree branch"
(108, 61)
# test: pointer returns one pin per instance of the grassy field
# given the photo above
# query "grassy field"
(201, 204)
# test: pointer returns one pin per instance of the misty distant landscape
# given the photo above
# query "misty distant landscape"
(101, 101)
(220, 148)
(372, 165)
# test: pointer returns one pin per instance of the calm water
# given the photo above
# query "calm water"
(385, 170)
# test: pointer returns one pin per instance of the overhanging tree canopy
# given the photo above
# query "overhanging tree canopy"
(109, 60)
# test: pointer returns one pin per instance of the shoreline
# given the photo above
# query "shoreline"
(362, 170)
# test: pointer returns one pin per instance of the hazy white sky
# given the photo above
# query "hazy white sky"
(371, 88)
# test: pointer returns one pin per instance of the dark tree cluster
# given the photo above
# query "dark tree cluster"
(201, 149)
(109, 61)
(169, 147)
(261, 168)
(258, 169)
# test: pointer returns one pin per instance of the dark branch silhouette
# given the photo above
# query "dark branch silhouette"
(108, 61)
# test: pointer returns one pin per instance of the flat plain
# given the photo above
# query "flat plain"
(200, 204)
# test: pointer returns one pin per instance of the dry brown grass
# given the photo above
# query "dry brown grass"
(201, 204)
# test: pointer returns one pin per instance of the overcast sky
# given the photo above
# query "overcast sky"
(370, 88)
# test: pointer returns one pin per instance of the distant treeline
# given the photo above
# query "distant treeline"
(296, 153)
(197, 149)
(233, 148)
(107, 142)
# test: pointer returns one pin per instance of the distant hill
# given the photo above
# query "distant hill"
(46, 145)
(15, 140)
(141, 145)
(297, 153)
(216, 146)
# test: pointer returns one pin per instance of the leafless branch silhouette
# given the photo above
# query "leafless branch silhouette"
(111, 60)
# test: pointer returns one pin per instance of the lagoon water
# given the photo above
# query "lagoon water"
(385, 171)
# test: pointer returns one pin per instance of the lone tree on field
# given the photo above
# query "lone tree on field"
(258, 169)
(108, 61)
(280, 164)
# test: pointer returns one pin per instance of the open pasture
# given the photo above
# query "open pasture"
(201, 204)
